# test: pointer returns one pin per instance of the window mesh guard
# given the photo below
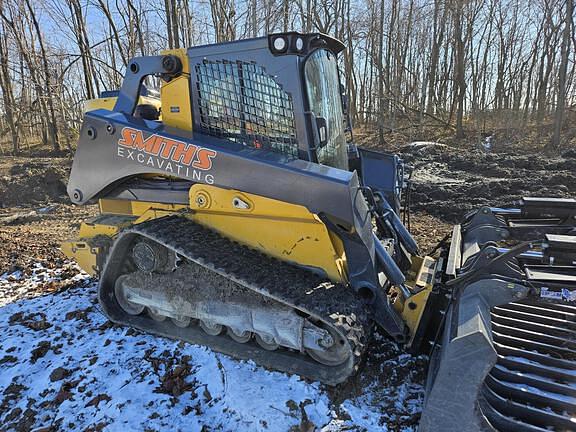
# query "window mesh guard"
(239, 101)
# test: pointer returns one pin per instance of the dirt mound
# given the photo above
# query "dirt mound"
(24, 182)
(448, 183)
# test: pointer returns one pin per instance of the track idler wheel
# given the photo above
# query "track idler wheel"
(123, 298)
(335, 353)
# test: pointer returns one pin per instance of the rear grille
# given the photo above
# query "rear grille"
(533, 385)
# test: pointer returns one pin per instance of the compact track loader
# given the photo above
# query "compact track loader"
(236, 212)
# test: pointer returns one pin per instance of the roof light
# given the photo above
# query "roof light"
(280, 44)
(299, 44)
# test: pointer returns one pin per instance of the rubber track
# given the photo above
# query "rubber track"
(335, 304)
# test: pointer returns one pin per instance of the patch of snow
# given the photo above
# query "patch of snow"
(64, 365)
(366, 419)
(17, 285)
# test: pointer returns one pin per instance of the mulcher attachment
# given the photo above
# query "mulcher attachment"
(506, 359)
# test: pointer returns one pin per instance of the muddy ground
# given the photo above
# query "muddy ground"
(447, 183)
(25, 181)
(35, 212)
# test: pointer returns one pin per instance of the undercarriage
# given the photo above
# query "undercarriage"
(175, 278)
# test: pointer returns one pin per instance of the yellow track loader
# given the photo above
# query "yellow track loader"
(236, 212)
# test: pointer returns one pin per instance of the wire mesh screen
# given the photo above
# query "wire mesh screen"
(239, 101)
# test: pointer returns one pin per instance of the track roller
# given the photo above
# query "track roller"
(240, 337)
(181, 321)
(211, 328)
(267, 342)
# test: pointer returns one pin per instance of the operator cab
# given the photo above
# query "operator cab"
(283, 93)
(279, 93)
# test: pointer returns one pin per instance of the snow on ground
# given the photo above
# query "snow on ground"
(40, 279)
(64, 366)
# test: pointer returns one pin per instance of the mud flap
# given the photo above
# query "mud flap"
(466, 355)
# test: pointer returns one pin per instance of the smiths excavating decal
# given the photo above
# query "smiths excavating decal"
(174, 157)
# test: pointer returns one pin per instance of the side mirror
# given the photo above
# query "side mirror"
(322, 128)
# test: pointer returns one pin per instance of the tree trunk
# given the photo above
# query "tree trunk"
(169, 24)
(381, 76)
(175, 32)
(459, 68)
(52, 125)
(565, 49)
(7, 93)
(286, 9)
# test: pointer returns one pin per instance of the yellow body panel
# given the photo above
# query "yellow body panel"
(286, 231)
(413, 310)
(108, 103)
(92, 228)
(137, 208)
(420, 280)
(86, 248)
(175, 95)
(83, 253)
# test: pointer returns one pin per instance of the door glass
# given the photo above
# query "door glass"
(323, 89)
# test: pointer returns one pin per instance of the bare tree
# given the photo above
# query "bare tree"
(410, 65)
(7, 92)
(52, 126)
(561, 98)
(224, 19)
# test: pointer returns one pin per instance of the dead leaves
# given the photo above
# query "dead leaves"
(8, 359)
(40, 351)
(79, 314)
(34, 321)
(96, 400)
(172, 372)
(63, 395)
(59, 373)
(65, 392)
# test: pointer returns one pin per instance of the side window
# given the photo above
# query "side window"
(321, 73)
(240, 102)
